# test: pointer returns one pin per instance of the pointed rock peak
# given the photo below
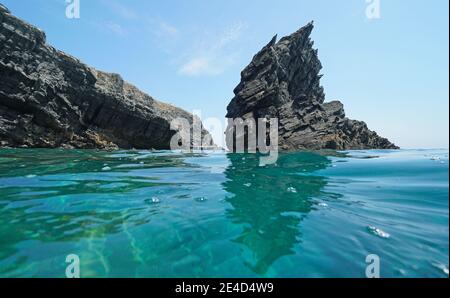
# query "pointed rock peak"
(308, 27)
(267, 47)
(271, 43)
(305, 30)
(273, 40)
(300, 35)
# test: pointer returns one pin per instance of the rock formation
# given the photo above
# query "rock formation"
(50, 99)
(283, 82)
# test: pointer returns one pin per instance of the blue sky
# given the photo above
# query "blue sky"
(391, 72)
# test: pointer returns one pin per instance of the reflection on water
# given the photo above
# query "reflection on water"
(271, 201)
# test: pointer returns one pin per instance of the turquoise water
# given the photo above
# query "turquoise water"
(164, 214)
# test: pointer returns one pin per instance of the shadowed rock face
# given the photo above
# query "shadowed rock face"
(50, 99)
(283, 82)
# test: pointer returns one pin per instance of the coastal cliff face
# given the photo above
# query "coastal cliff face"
(50, 99)
(283, 82)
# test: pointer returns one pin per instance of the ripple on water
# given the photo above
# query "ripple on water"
(217, 216)
(441, 267)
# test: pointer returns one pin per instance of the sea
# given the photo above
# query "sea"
(136, 213)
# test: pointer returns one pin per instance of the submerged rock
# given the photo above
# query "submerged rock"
(283, 81)
(50, 99)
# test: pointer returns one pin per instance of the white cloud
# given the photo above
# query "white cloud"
(208, 65)
(213, 56)
(231, 34)
(115, 28)
(122, 10)
(198, 66)
(165, 35)
(167, 29)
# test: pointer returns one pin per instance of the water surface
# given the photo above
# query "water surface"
(209, 214)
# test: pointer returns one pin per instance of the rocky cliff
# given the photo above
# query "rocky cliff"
(50, 99)
(283, 81)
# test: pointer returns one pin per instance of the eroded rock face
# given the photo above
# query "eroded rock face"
(283, 81)
(50, 99)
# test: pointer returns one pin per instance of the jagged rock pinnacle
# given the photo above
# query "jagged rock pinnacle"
(283, 81)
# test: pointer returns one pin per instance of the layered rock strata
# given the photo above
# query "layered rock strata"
(50, 99)
(283, 82)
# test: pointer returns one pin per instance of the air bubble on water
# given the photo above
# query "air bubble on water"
(402, 272)
(247, 184)
(106, 169)
(323, 204)
(200, 199)
(378, 232)
(292, 190)
(441, 267)
(155, 200)
(30, 176)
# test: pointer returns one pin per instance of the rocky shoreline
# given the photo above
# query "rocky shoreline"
(49, 99)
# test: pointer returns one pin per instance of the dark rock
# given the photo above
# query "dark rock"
(283, 81)
(50, 99)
